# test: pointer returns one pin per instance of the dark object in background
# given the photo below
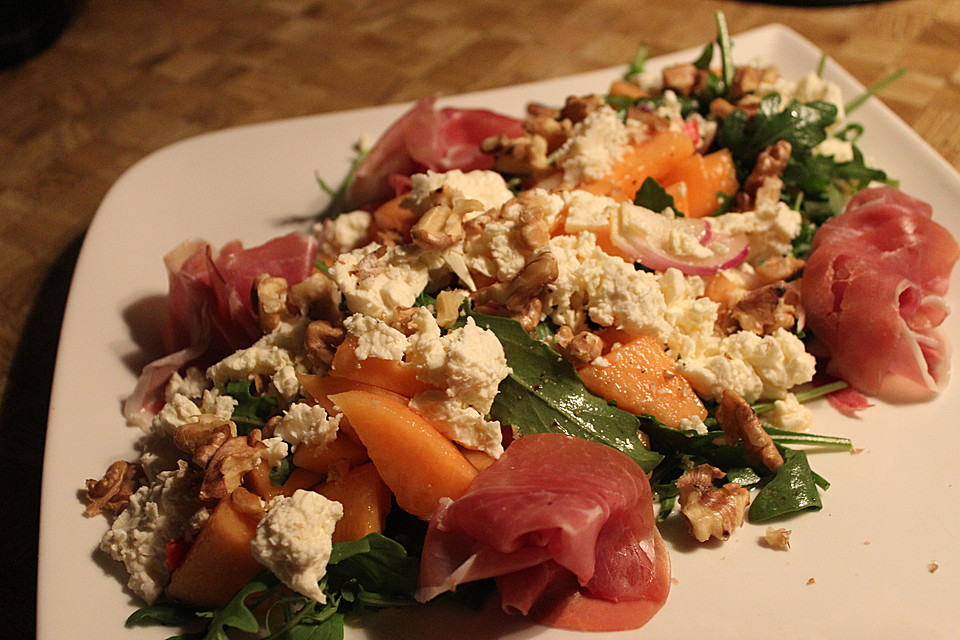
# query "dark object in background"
(27, 27)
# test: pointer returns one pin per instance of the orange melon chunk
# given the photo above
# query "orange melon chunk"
(257, 481)
(417, 462)
(652, 158)
(319, 458)
(391, 375)
(393, 218)
(219, 562)
(702, 177)
(643, 379)
(365, 499)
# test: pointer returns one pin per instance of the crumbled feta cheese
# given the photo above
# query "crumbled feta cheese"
(788, 413)
(156, 514)
(375, 284)
(306, 423)
(466, 365)
(808, 89)
(841, 150)
(219, 404)
(587, 212)
(192, 384)
(611, 291)
(245, 364)
(462, 424)
(343, 233)
(178, 410)
(769, 228)
(755, 367)
(488, 188)
(275, 452)
(693, 423)
(375, 338)
(469, 362)
(593, 146)
(293, 540)
(497, 251)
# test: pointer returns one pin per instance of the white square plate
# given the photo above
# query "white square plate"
(860, 568)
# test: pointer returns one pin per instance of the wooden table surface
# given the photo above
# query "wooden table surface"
(126, 78)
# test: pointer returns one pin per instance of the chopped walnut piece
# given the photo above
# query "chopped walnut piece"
(711, 512)
(739, 422)
(747, 79)
(202, 436)
(226, 467)
(553, 131)
(112, 492)
(271, 296)
(534, 231)
(683, 78)
(448, 307)
(628, 90)
(766, 309)
(581, 347)
(770, 164)
(577, 108)
(317, 297)
(438, 228)
(778, 268)
(523, 156)
(778, 539)
(321, 340)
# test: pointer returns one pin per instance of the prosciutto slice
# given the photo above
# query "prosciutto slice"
(210, 309)
(873, 292)
(566, 527)
(426, 138)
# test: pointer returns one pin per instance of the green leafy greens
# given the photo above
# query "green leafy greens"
(366, 574)
(544, 394)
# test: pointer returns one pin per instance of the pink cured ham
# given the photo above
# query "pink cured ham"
(873, 292)
(426, 138)
(210, 309)
(566, 527)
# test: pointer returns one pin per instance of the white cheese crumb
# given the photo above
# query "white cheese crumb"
(376, 286)
(789, 414)
(593, 146)
(304, 423)
(293, 540)
(375, 338)
(488, 188)
(156, 514)
(343, 233)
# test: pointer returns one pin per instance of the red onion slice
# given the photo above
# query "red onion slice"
(659, 242)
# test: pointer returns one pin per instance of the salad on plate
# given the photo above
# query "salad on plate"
(511, 349)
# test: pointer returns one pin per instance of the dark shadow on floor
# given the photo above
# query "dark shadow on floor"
(23, 425)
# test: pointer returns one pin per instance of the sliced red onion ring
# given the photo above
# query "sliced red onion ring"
(659, 242)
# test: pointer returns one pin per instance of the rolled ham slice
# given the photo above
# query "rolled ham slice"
(873, 293)
(566, 527)
(426, 138)
(210, 310)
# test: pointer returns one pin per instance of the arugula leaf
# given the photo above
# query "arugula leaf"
(653, 196)
(252, 411)
(638, 62)
(379, 565)
(792, 489)
(338, 195)
(370, 573)
(726, 51)
(545, 395)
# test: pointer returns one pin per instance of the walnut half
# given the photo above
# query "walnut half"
(711, 512)
(112, 492)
